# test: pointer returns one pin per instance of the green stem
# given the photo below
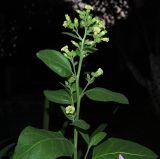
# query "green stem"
(88, 83)
(87, 152)
(78, 95)
(78, 108)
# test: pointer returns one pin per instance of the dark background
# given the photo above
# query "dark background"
(131, 62)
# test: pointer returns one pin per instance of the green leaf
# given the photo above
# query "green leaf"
(58, 96)
(90, 49)
(85, 136)
(104, 95)
(71, 34)
(81, 124)
(97, 138)
(100, 128)
(42, 144)
(114, 147)
(56, 61)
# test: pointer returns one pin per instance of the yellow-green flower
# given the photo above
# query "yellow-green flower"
(96, 30)
(88, 7)
(105, 39)
(70, 109)
(98, 73)
(65, 24)
(68, 18)
(68, 23)
(65, 49)
(76, 23)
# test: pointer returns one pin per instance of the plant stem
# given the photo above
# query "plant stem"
(78, 95)
(78, 108)
(88, 83)
(87, 151)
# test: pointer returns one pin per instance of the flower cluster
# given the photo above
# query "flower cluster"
(109, 10)
(94, 30)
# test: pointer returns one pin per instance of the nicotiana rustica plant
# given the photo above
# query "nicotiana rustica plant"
(86, 32)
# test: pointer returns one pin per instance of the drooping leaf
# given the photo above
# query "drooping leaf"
(58, 96)
(71, 35)
(100, 128)
(114, 147)
(42, 144)
(81, 124)
(105, 95)
(97, 138)
(56, 61)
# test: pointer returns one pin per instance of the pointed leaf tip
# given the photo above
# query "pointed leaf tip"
(105, 95)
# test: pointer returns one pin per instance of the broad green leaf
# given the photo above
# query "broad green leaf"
(56, 61)
(97, 138)
(58, 96)
(105, 95)
(85, 136)
(100, 128)
(42, 144)
(114, 147)
(71, 34)
(81, 124)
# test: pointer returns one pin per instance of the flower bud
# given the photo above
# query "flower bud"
(98, 73)
(70, 109)
(65, 49)
(74, 43)
(68, 18)
(96, 30)
(88, 7)
(105, 39)
(76, 22)
(65, 24)
(102, 33)
(68, 22)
